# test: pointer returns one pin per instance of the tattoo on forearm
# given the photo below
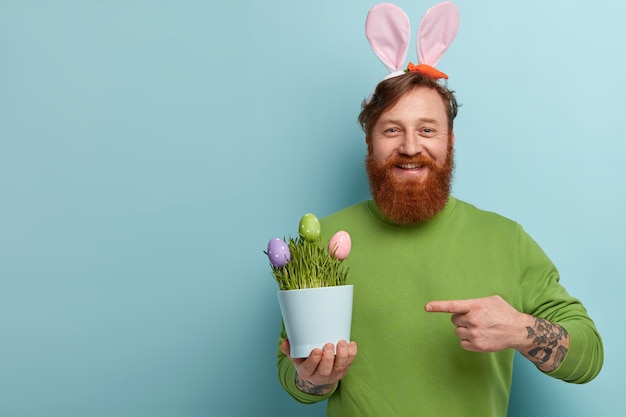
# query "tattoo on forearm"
(310, 388)
(548, 340)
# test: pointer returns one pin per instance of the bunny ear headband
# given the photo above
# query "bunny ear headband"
(388, 30)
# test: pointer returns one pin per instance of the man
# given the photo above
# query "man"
(420, 259)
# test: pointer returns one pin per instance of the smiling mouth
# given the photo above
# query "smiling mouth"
(410, 167)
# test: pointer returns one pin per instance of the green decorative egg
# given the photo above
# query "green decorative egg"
(310, 228)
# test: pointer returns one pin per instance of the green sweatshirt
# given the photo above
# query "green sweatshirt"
(410, 362)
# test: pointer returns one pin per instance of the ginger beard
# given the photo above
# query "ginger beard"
(410, 201)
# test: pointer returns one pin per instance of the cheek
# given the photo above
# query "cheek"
(381, 151)
(439, 152)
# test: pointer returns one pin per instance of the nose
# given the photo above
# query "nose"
(411, 144)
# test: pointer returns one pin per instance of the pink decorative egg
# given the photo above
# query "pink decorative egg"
(278, 252)
(340, 245)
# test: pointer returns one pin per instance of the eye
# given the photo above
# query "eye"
(428, 132)
(391, 131)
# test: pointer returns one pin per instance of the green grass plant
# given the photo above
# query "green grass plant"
(311, 266)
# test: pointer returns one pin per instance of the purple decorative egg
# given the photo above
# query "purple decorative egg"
(340, 245)
(278, 252)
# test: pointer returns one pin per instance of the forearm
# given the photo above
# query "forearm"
(287, 376)
(296, 388)
(545, 343)
(310, 388)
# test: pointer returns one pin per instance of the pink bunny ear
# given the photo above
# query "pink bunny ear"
(436, 32)
(388, 31)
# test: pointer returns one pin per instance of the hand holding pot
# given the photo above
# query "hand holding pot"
(321, 371)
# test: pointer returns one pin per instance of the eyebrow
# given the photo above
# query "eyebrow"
(420, 120)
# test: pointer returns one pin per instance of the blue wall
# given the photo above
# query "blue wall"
(150, 149)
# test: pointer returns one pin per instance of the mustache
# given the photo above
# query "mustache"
(406, 160)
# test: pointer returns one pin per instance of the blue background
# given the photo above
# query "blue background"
(150, 149)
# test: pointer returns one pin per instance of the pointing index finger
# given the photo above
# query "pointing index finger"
(449, 306)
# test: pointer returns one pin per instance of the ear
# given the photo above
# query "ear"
(388, 31)
(436, 32)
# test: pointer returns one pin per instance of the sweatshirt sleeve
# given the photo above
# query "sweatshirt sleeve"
(287, 377)
(544, 297)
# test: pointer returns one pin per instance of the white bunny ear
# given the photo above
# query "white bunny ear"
(388, 31)
(436, 32)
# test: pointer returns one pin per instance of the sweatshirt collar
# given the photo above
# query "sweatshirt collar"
(443, 214)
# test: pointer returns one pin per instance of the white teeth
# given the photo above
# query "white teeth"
(410, 166)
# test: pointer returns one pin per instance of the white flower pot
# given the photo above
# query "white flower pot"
(316, 316)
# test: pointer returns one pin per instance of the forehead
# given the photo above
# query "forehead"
(419, 103)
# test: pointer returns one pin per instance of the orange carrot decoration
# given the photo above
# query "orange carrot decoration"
(427, 70)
